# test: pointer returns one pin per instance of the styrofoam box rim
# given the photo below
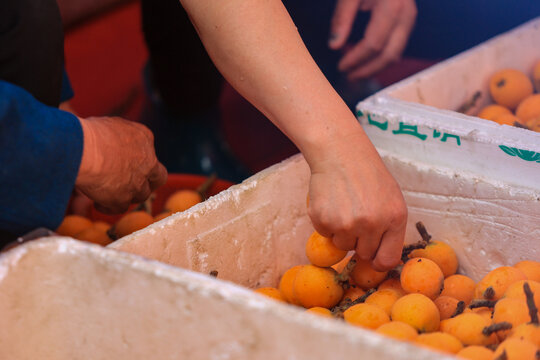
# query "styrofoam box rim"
(467, 127)
(224, 290)
(398, 119)
(480, 130)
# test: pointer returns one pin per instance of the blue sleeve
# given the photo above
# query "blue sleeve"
(40, 153)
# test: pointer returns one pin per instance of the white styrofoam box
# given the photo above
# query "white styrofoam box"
(63, 299)
(416, 117)
(254, 231)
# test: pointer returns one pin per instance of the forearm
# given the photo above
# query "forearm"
(258, 49)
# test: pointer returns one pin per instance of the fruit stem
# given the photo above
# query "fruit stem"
(343, 277)
(111, 232)
(407, 249)
(338, 310)
(503, 356)
(395, 273)
(467, 105)
(423, 232)
(489, 293)
(504, 325)
(459, 308)
(533, 310)
(203, 188)
(482, 303)
(520, 125)
(214, 273)
(146, 205)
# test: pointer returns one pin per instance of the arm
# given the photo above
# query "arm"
(40, 152)
(353, 198)
(46, 152)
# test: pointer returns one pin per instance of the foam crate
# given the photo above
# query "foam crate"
(64, 299)
(417, 117)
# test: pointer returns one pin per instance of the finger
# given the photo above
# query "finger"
(368, 243)
(389, 253)
(366, 5)
(143, 193)
(391, 53)
(344, 241)
(383, 20)
(117, 208)
(321, 225)
(342, 22)
(157, 176)
(81, 204)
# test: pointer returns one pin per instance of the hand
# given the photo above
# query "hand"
(354, 200)
(119, 165)
(384, 39)
(80, 204)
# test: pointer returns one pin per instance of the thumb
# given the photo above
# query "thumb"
(342, 22)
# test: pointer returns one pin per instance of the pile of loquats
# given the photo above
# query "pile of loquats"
(102, 233)
(423, 300)
(515, 100)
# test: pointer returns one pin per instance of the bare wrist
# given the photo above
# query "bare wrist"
(337, 142)
(89, 156)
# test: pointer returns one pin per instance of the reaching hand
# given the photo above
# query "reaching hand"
(384, 39)
(119, 165)
(354, 200)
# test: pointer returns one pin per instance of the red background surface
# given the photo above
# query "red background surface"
(104, 58)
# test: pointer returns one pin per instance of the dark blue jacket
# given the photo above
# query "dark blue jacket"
(40, 146)
(40, 153)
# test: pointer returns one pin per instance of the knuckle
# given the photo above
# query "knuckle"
(370, 223)
(327, 223)
(392, 58)
(322, 219)
(144, 130)
(149, 134)
(400, 214)
(344, 243)
(374, 46)
(347, 224)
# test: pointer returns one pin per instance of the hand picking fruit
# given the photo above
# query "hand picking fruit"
(423, 300)
(102, 233)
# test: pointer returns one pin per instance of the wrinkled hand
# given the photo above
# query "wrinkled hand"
(354, 200)
(80, 204)
(384, 39)
(119, 164)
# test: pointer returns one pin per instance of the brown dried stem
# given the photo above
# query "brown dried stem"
(504, 325)
(459, 308)
(470, 103)
(407, 249)
(423, 231)
(338, 310)
(343, 278)
(503, 356)
(533, 310)
(489, 293)
(205, 186)
(482, 303)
